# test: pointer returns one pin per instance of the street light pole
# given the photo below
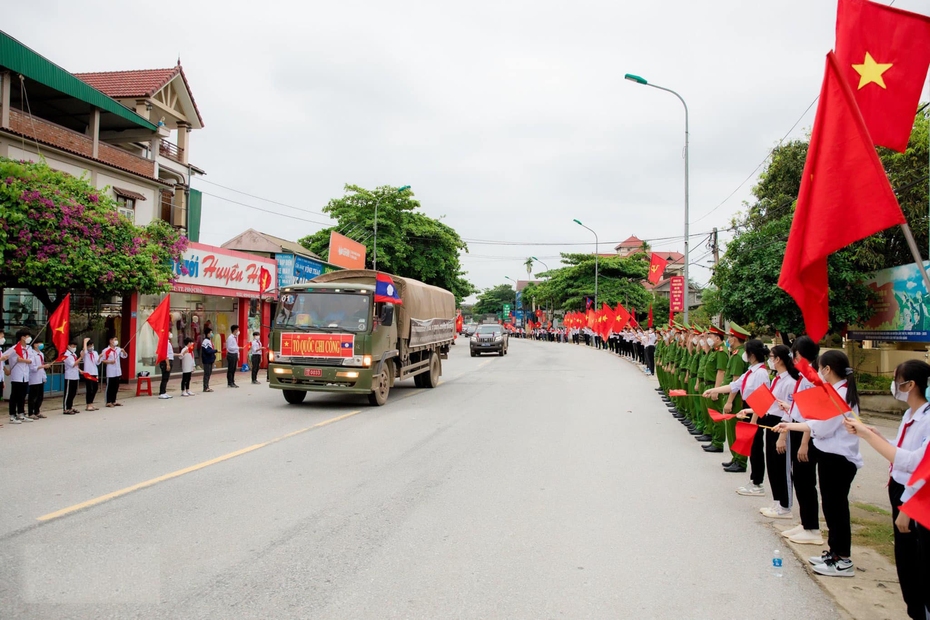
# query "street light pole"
(596, 250)
(639, 80)
(515, 300)
(374, 254)
(547, 269)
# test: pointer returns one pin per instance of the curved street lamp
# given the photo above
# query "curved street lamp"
(595, 260)
(640, 80)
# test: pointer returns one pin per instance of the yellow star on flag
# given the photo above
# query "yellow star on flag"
(870, 71)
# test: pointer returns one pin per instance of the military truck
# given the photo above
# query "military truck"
(332, 335)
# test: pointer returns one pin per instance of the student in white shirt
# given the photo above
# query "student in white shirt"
(912, 559)
(187, 366)
(165, 367)
(72, 377)
(777, 460)
(19, 361)
(37, 380)
(91, 381)
(232, 356)
(838, 460)
(756, 354)
(255, 356)
(111, 359)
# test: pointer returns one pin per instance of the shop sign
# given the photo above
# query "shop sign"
(900, 306)
(345, 252)
(209, 270)
(293, 269)
(317, 345)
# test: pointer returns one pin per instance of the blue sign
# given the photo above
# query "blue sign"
(900, 305)
(293, 269)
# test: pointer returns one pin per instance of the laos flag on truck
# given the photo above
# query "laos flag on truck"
(385, 291)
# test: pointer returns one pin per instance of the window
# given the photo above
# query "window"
(126, 207)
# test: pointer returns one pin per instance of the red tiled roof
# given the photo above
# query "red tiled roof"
(137, 83)
(632, 242)
(119, 84)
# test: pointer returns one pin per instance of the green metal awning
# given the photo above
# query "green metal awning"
(17, 58)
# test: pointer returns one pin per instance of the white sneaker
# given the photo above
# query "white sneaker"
(779, 512)
(816, 560)
(15, 421)
(26, 419)
(189, 393)
(836, 567)
(772, 507)
(185, 394)
(751, 490)
(807, 537)
(797, 529)
(165, 396)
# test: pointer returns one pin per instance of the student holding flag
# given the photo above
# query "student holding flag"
(90, 374)
(838, 460)
(755, 356)
(111, 359)
(19, 360)
(37, 379)
(777, 460)
(905, 454)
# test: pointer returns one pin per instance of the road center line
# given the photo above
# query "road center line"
(176, 474)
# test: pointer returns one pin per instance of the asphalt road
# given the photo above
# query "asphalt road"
(550, 483)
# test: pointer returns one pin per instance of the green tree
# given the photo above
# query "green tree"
(619, 281)
(492, 300)
(58, 234)
(410, 244)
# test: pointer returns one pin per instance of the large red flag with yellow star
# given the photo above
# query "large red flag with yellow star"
(884, 53)
(58, 323)
(160, 321)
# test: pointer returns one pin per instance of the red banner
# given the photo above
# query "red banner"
(677, 289)
(317, 345)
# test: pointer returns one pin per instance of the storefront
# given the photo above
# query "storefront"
(215, 288)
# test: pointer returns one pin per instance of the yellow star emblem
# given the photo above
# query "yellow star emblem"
(870, 71)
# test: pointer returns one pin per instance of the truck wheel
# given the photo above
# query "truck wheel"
(294, 397)
(418, 379)
(431, 378)
(379, 395)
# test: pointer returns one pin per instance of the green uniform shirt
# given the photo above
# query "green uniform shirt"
(702, 364)
(717, 360)
(660, 350)
(694, 362)
(735, 365)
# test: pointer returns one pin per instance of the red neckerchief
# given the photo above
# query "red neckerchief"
(742, 390)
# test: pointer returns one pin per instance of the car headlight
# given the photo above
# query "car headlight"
(498, 338)
(474, 338)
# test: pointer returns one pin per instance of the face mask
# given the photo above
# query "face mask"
(771, 364)
(28, 339)
(2, 341)
(745, 357)
(72, 349)
(40, 346)
(114, 343)
(90, 349)
(170, 335)
(700, 342)
(902, 396)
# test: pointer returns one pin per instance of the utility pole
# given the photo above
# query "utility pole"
(715, 246)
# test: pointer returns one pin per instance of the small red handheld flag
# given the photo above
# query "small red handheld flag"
(807, 371)
(922, 471)
(761, 400)
(716, 416)
(918, 507)
(745, 434)
(817, 404)
(89, 376)
(678, 392)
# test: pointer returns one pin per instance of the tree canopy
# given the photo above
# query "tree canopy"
(58, 233)
(747, 275)
(410, 244)
(619, 281)
(492, 300)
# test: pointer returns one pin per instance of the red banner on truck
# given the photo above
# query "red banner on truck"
(317, 345)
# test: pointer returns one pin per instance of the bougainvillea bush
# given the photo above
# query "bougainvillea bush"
(59, 233)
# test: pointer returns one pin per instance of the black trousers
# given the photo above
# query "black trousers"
(165, 376)
(90, 393)
(913, 575)
(778, 464)
(836, 476)
(255, 363)
(232, 360)
(186, 381)
(18, 392)
(804, 478)
(112, 389)
(71, 388)
(207, 371)
(651, 358)
(757, 458)
(36, 397)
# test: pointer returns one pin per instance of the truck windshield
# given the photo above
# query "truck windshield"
(337, 311)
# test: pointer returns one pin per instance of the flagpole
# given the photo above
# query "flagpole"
(912, 244)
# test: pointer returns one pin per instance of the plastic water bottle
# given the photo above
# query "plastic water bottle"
(777, 564)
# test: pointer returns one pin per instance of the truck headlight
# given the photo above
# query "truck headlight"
(357, 360)
(270, 356)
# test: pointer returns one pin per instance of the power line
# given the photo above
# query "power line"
(275, 202)
(242, 204)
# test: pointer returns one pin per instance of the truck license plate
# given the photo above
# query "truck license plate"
(313, 372)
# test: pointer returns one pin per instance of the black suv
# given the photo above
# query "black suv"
(489, 339)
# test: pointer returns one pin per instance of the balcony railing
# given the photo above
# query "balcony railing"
(171, 151)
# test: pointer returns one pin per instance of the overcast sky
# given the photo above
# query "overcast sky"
(508, 118)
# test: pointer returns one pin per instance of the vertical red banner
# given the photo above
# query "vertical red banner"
(677, 290)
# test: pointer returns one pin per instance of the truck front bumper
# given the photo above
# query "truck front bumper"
(320, 378)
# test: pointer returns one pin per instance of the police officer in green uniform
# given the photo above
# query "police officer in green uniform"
(700, 411)
(678, 372)
(694, 360)
(736, 366)
(714, 376)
